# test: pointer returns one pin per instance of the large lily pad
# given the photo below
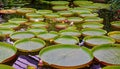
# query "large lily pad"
(29, 45)
(92, 25)
(47, 35)
(6, 31)
(9, 25)
(115, 35)
(98, 40)
(66, 40)
(59, 2)
(70, 32)
(42, 12)
(7, 52)
(75, 19)
(22, 35)
(17, 20)
(60, 8)
(93, 19)
(93, 32)
(39, 24)
(65, 56)
(26, 10)
(108, 54)
(33, 15)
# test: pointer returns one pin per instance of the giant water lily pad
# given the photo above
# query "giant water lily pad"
(36, 19)
(75, 19)
(39, 24)
(52, 15)
(115, 24)
(60, 8)
(22, 35)
(42, 12)
(111, 67)
(92, 25)
(98, 40)
(66, 40)
(108, 54)
(29, 45)
(59, 3)
(115, 35)
(65, 13)
(7, 52)
(93, 19)
(70, 32)
(93, 32)
(26, 10)
(36, 30)
(2, 66)
(77, 3)
(33, 15)
(6, 31)
(47, 35)
(88, 15)
(9, 25)
(17, 20)
(64, 56)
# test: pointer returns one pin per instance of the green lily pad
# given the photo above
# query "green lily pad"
(70, 32)
(92, 25)
(93, 32)
(59, 3)
(52, 15)
(80, 10)
(75, 19)
(39, 24)
(88, 15)
(60, 8)
(47, 35)
(98, 40)
(7, 51)
(115, 35)
(42, 12)
(65, 13)
(60, 19)
(82, 2)
(111, 67)
(93, 19)
(108, 54)
(61, 26)
(17, 20)
(36, 19)
(33, 15)
(26, 10)
(66, 40)
(22, 35)
(29, 45)
(2, 66)
(36, 30)
(66, 56)
(115, 24)
(6, 31)
(9, 25)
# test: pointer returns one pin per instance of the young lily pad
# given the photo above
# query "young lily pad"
(92, 25)
(93, 19)
(26, 10)
(115, 35)
(107, 54)
(7, 52)
(111, 67)
(60, 8)
(93, 32)
(33, 15)
(98, 40)
(22, 35)
(29, 45)
(70, 32)
(42, 12)
(63, 56)
(75, 19)
(2, 66)
(17, 20)
(59, 3)
(66, 40)
(47, 35)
